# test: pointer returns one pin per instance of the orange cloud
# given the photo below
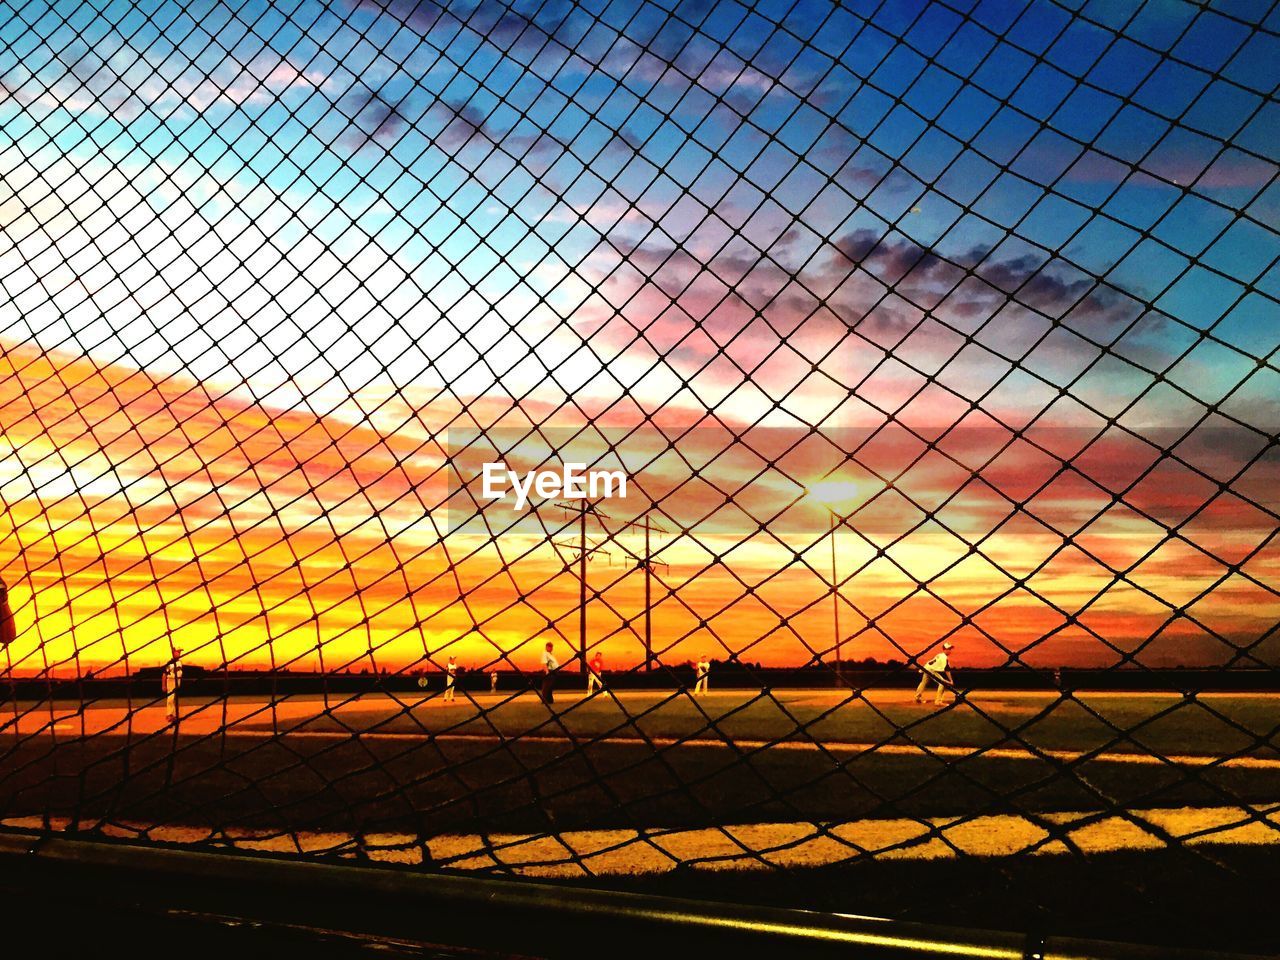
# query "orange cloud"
(145, 510)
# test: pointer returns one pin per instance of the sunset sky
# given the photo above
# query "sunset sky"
(274, 277)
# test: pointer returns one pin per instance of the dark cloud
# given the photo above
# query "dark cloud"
(498, 22)
(632, 140)
(466, 121)
(469, 121)
(84, 62)
(452, 125)
(880, 283)
(14, 86)
(372, 119)
(923, 276)
(419, 15)
(889, 258)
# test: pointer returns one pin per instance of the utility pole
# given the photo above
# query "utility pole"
(835, 598)
(584, 551)
(582, 591)
(647, 563)
(648, 600)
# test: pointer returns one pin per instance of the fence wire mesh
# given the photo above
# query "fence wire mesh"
(914, 329)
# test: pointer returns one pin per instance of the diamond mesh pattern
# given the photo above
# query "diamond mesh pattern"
(1005, 276)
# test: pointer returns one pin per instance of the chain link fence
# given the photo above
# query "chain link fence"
(925, 354)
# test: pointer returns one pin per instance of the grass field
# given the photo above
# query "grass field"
(638, 762)
(871, 793)
(1218, 724)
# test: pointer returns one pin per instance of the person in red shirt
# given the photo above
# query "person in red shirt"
(8, 632)
(595, 675)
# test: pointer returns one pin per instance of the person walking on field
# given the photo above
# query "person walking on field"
(595, 675)
(493, 680)
(703, 674)
(171, 680)
(939, 671)
(549, 667)
(450, 679)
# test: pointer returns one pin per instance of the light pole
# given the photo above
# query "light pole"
(835, 595)
(830, 493)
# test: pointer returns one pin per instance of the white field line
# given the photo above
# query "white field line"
(833, 746)
(750, 846)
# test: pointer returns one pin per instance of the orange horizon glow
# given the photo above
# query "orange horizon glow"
(149, 510)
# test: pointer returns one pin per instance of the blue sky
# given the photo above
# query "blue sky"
(500, 147)
(801, 215)
(612, 199)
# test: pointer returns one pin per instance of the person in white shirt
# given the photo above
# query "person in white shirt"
(703, 673)
(171, 680)
(595, 674)
(450, 679)
(938, 670)
(549, 667)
